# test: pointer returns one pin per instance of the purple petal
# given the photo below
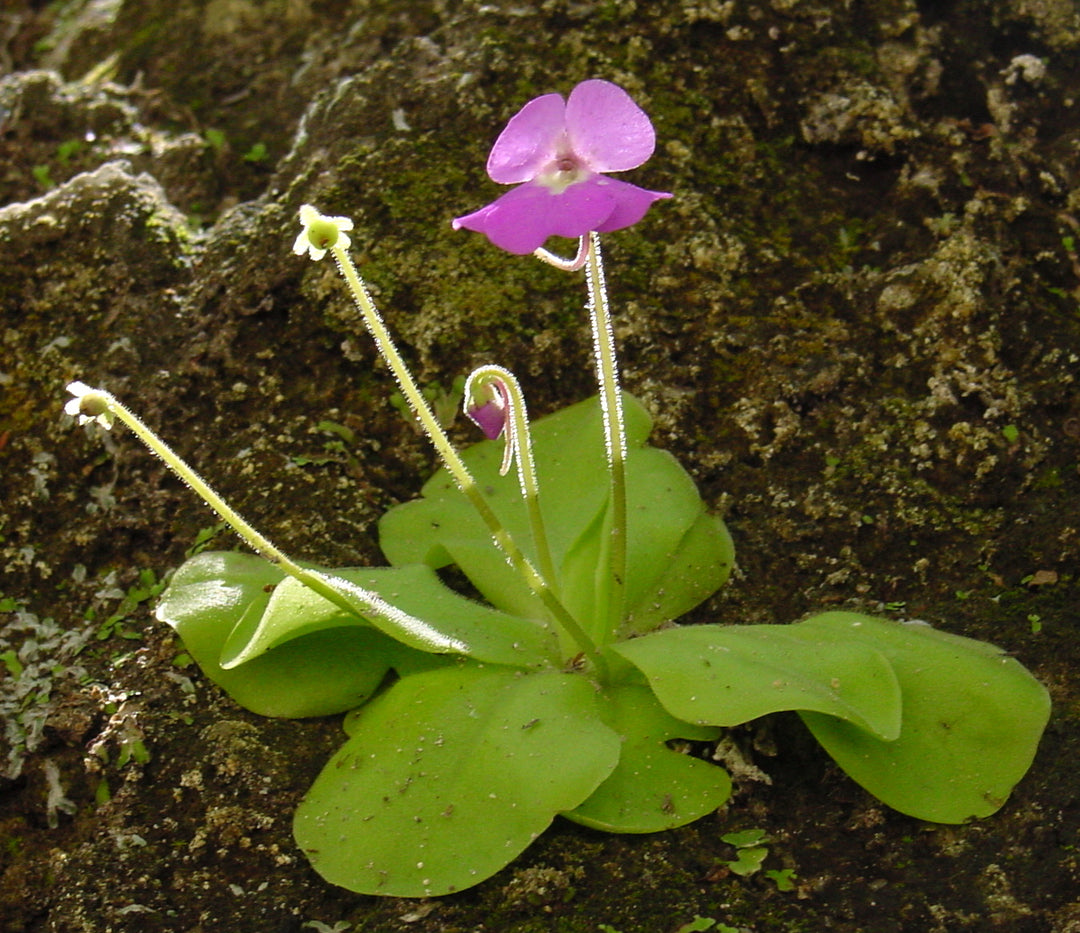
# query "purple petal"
(489, 418)
(476, 221)
(607, 130)
(581, 207)
(523, 218)
(631, 203)
(529, 141)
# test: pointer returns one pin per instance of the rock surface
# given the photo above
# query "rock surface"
(857, 324)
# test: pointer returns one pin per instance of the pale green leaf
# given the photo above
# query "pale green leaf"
(317, 674)
(449, 775)
(748, 861)
(420, 612)
(692, 572)
(729, 674)
(653, 787)
(745, 838)
(972, 721)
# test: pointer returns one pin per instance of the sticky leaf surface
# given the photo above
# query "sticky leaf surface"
(971, 724)
(653, 787)
(729, 674)
(449, 775)
(314, 674)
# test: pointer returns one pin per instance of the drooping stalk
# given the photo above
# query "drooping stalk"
(518, 440)
(607, 374)
(566, 265)
(453, 462)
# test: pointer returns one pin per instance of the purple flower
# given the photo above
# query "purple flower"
(557, 152)
(487, 405)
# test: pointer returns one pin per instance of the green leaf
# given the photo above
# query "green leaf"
(748, 861)
(11, 661)
(664, 509)
(317, 674)
(725, 675)
(972, 721)
(215, 139)
(699, 925)
(449, 775)
(677, 555)
(692, 572)
(745, 838)
(425, 615)
(653, 787)
(783, 878)
(257, 153)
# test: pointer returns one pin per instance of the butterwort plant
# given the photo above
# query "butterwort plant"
(567, 688)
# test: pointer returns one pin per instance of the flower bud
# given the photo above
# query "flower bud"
(488, 414)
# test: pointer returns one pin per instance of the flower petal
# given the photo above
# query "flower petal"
(631, 203)
(607, 130)
(489, 418)
(582, 207)
(523, 218)
(529, 141)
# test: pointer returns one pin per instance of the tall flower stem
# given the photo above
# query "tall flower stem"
(607, 374)
(362, 600)
(454, 464)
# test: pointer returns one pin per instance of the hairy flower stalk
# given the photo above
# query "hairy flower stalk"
(91, 404)
(558, 153)
(565, 265)
(607, 377)
(506, 401)
(320, 235)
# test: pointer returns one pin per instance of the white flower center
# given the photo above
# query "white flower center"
(565, 170)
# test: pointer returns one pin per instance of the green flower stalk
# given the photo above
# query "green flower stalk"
(607, 371)
(97, 405)
(322, 234)
(607, 376)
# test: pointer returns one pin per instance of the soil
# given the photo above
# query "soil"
(857, 324)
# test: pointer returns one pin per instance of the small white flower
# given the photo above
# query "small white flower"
(320, 233)
(88, 405)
